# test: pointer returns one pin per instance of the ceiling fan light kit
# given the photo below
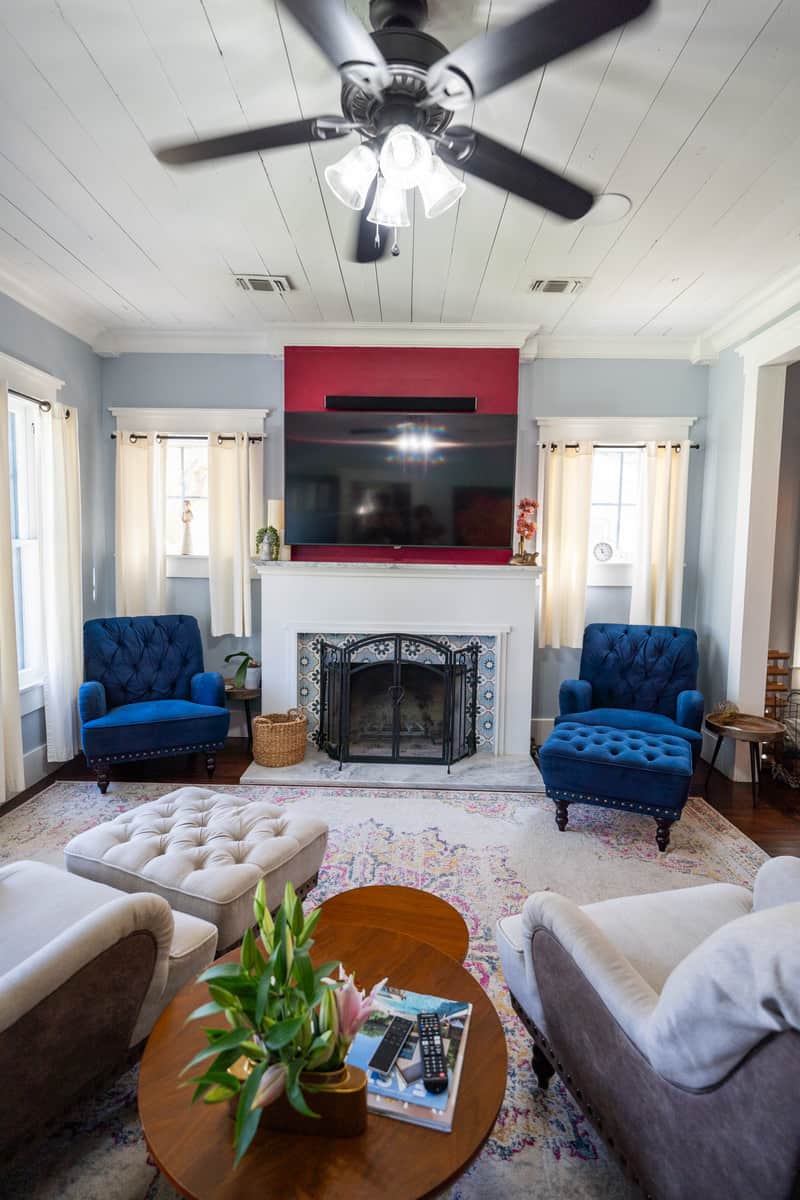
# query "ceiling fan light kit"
(399, 89)
(389, 207)
(350, 178)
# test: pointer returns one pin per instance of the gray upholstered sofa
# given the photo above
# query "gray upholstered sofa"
(84, 972)
(673, 1020)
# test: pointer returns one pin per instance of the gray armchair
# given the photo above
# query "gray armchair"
(85, 971)
(673, 1020)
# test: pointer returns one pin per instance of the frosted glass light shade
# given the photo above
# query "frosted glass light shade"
(389, 207)
(349, 179)
(405, 157)
(440, 188)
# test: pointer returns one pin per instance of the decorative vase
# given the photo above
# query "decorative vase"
(338, 1097)
(252, 678)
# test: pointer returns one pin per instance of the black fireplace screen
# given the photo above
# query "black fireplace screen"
(397, 698)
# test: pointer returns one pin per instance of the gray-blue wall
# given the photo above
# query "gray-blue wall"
(34, 341)
(615, 388)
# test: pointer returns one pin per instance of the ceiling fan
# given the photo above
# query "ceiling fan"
(399, 89)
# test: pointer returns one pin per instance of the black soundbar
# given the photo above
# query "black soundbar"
(450, 404)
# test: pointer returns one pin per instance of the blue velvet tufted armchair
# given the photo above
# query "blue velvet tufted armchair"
(639, 677)
(146, 694)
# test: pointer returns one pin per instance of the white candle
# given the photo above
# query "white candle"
(275, 514)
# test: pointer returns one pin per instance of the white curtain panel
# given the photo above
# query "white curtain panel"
(657, 588)
(565, 487)
(235, 500)
(62, 593)
(12, 771)
(140, 525)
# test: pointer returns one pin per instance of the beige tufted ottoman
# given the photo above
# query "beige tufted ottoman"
(204, 852)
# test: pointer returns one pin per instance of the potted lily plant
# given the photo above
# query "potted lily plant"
(248, 673)
(289, 1027)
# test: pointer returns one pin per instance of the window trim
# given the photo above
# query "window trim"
(30, 544)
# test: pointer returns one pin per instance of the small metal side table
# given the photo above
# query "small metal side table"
(246, 695)
(744, 727)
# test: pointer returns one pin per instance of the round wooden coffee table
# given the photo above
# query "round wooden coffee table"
(744, 727)
(192, 1144)
(411, 911)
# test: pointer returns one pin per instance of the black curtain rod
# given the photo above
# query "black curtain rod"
(188, 437)
(616, 446)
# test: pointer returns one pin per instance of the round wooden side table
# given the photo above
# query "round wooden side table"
(744, 727)
(407, 910)
(192, 1143)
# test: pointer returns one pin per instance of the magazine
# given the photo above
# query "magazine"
(401, 1093)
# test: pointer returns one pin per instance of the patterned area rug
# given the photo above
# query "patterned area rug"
(484, 853)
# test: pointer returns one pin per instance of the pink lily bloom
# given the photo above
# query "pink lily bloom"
(354, 1006)
(273, 1082)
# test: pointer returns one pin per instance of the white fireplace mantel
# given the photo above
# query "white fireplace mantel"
(414, 598)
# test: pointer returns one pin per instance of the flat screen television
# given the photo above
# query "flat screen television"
(399, 479)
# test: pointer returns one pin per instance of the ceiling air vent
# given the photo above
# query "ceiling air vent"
(567, 285)
(264, 283)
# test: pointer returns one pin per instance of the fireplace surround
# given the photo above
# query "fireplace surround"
(397, 698)
(453, 602)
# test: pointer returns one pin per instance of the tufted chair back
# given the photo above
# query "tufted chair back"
(142, 658)
(639, 666)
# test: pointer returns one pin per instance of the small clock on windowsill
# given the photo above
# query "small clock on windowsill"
(603, 552)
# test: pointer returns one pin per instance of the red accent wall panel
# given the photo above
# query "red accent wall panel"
(313, 372)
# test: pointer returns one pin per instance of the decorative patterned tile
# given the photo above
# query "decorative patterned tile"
(414, 649)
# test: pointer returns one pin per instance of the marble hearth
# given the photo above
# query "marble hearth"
(493, 604)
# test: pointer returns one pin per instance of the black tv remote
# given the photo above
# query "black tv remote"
(390, 1045)
(434, 1067)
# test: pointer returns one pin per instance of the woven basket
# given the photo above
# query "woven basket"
(279, 739)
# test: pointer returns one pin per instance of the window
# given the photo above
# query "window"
(615, 504)
(187, 480)
(23, 439)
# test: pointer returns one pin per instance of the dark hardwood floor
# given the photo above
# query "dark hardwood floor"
(774, 825)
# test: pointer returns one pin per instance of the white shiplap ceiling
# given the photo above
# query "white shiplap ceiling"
(691, 112)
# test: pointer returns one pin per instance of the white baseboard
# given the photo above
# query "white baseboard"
(541, 728)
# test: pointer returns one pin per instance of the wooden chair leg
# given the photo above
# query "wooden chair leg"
(562, 814)
(211, 764)
(103, 778)
(542, 1068)
(663, 827)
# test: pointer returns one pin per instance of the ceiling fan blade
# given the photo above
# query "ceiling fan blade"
(268, 137)
(343, 40)
(372, 241)
(498, 164)
(490, 61)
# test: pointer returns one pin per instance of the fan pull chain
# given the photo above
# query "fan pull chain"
(395, 247)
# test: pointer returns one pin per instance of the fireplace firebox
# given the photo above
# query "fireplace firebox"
(398, 698)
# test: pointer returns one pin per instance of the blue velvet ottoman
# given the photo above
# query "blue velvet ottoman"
(645, 773)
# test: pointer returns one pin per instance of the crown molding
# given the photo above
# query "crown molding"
(274, 339)
(48, 308)
(753, 314)
(635, 347)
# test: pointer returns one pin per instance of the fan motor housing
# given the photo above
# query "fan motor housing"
(409, 52)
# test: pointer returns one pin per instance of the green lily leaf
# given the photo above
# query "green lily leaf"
(232, 1039)
(309, 926)
(304, 974)
(205, 1010)
(282, 1033)
(247, 1117)
(220, 971)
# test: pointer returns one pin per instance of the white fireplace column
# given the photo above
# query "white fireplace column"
(417, 599)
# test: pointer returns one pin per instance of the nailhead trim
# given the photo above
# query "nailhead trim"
(117, 758)
(649, 810)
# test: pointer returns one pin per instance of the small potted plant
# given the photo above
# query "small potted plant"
(268, 538)
(290, 1026)
(248, 673)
